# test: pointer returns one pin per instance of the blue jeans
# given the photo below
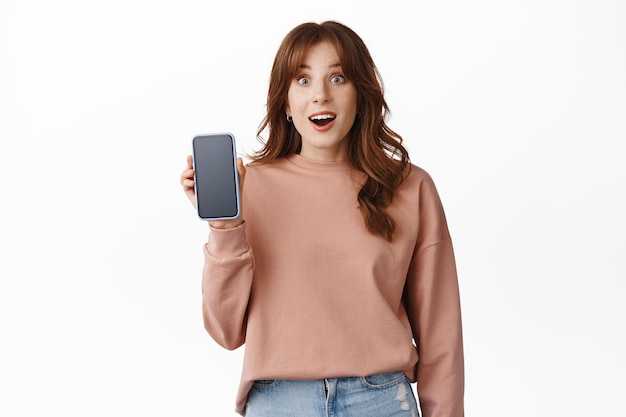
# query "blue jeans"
(382, 395)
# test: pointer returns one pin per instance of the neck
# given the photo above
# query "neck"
(324, 155)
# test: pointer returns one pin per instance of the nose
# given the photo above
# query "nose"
(320, 92)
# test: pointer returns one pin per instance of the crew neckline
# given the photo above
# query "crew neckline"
(312, 164)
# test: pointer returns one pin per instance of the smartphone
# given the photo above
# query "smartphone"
(215, 176)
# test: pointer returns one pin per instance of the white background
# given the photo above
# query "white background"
(516, 108)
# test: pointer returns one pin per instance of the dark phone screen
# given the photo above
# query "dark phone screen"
(215, 176)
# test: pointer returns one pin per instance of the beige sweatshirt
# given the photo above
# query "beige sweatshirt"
(314, 295)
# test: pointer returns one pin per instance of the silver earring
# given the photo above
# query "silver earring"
(289, 119)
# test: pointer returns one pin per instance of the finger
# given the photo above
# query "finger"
(241, 168)
(189, 162)
(186, 174)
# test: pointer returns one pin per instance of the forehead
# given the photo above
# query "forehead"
(321, 53)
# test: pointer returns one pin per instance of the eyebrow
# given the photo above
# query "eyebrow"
(336, 65)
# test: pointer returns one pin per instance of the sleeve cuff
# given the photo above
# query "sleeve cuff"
(227, 243)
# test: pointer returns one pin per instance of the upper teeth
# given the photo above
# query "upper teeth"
(322, 117)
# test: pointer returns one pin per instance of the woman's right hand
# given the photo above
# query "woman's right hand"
(187, 181)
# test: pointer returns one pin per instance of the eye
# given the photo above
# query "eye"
(337, 79)
(303, 80)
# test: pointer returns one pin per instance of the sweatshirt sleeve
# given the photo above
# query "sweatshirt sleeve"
(433, 304)
(226, 284)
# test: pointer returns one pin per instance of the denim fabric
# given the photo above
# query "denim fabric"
(382, 395)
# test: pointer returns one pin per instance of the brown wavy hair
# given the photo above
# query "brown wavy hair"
(373, 149)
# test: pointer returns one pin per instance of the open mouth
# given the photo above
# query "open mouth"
(322, 119)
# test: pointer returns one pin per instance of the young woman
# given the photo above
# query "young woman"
(339, 276)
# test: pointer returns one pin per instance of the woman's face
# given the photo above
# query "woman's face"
(323, 105)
